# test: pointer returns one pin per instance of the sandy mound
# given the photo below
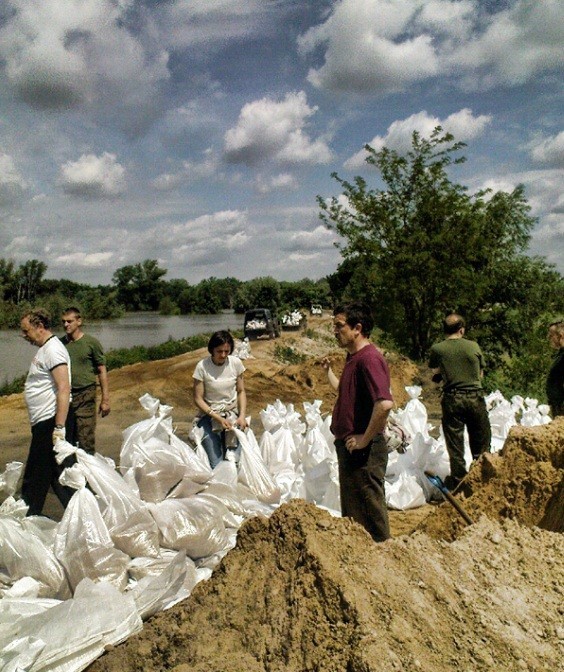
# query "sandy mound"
(304, 591)
(523, 482)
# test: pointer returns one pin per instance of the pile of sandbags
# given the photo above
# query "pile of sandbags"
(138, 536)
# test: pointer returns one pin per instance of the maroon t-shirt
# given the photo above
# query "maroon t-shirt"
(365, 380)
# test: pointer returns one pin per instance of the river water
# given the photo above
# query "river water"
(132, 329)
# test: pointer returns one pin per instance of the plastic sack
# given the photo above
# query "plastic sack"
(9, 478)
(190, 525)
(159, 425)
(23, 554)
(155, 593)
(73, 633)
(83, 544)
(253, 472)
(126, 516)
(404, 493)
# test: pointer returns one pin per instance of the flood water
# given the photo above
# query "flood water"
(132, 329)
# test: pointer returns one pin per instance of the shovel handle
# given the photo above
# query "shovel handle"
(441, 487)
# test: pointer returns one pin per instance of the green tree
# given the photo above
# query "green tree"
(258, 293)
(28, 280)
(139, 286)
(7, 278)
(423, 246)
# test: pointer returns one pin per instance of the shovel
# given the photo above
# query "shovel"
(441, 487)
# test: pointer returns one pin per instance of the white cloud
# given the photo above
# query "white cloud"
(274, 131)
(93, 176)
(368, 47)
(210, 23)
(12, 183)
(381, 46)
(309, 242)
(85, 260)
(190, 172)
(82, 53)
(462, 124)
(512, 45)
(548, 150)
(265, 185)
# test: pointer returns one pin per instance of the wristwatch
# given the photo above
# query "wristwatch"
(59, 426)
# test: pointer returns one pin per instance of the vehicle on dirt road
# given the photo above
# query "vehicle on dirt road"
(261, 322)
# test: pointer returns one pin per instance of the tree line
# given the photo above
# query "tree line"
(143, 287)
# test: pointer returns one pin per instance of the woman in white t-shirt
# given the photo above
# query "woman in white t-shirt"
(219, 394)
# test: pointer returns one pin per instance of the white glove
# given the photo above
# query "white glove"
(59, 434)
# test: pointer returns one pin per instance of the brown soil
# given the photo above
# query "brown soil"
(304, 591)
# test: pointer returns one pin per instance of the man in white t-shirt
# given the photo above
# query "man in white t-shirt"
(47, 396)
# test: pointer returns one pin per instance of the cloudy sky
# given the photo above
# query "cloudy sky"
(199, 132)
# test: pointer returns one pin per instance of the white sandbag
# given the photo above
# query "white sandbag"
(196, 468)
(413, 417)
(16, 509)
(190, 525)
(23, 554)
(20, 654)
(77, 631)
(83, 544)
(126, 516)
(156, 468)
(159, 425)
(9, 478)
(404, 493)
(227, 496)
(253, 472)
(155, 593)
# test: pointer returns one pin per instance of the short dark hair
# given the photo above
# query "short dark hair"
(220, 338)
(73, 309)
(453, 323)
(38, 317)
(355, 313)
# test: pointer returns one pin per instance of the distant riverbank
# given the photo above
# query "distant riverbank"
(133, 329)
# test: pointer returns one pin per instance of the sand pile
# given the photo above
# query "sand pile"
(305, 591)
(524, 482)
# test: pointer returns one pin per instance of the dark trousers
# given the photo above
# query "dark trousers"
(459, 411)
(84, 407)
(42, 470)
(361, 479)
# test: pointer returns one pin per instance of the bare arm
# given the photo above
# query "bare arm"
(104, 387)
(61, 377)
(377, 424)
(241, 403)
(331, 377)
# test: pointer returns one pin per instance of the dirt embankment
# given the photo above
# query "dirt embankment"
(303, 591)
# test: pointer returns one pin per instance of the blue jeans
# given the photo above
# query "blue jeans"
(213, 442)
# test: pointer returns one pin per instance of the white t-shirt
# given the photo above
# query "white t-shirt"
(40, 391)
(220, 382)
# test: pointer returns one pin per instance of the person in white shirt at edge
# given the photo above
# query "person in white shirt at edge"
(47, 396)
(219, 394)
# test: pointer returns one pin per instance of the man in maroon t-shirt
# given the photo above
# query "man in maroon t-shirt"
(359, 419)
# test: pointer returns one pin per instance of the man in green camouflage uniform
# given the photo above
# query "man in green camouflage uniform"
(460, 364)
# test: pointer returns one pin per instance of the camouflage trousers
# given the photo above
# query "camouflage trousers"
(462, 410)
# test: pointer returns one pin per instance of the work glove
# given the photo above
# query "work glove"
(59, 434)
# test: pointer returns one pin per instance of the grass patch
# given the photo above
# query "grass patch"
(287, 355)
